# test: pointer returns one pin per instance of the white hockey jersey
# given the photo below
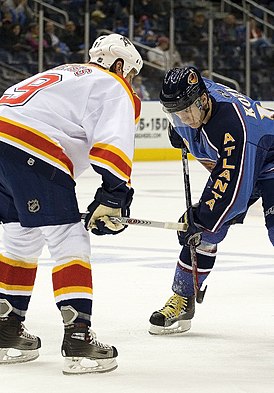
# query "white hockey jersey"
(71, 116)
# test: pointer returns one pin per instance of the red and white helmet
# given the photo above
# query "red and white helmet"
(106, 49)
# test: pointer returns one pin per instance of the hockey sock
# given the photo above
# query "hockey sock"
(16, 283)
(183, 278)
(72, 284)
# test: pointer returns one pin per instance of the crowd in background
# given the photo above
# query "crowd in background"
(19, 32)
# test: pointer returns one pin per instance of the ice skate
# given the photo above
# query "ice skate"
(16, 344)
(174, 317)
(84, 354)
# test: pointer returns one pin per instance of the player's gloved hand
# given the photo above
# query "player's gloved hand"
(175, 139)
(193, 233)
(104, 206)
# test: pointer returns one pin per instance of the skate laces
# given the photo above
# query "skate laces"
(94, 341)
(174, 306)
(23, 332)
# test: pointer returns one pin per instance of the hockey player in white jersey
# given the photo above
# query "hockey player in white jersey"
(52, 127)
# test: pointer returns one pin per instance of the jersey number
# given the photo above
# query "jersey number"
(25, 92)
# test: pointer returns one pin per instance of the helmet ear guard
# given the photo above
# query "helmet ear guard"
(107, 49)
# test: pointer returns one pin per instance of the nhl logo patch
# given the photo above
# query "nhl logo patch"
(33, 206)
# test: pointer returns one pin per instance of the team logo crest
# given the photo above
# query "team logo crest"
(33, 206)
(192, 78)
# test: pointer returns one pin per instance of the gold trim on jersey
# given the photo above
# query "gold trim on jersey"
(17, 134)
(112, 157)
(135, 100)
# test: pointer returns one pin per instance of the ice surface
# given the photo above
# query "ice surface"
(230, 348)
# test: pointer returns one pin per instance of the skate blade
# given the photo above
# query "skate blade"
(12, 355)
(80, 365)
(176, 328)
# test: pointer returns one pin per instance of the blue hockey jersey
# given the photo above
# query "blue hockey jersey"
(237, 145)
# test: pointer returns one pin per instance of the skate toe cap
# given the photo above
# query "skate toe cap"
(115, 352)
(157, 319)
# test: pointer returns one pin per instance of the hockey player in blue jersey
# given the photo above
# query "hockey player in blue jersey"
(233, 137)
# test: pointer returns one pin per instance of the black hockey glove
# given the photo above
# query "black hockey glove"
(175, 139)
(193, 233)
(106, 205)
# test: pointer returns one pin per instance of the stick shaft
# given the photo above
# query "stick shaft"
(149, 223)
(193, 254)
(177, 226)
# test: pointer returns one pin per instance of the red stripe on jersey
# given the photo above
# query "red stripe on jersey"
(15, 275)
(113, 159)
(36, 141)
(137, 103)
(136, 99)
(72, 276)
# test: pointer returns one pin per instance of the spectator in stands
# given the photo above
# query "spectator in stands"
(121, 26)
(50, 36)
(75, 10)
(258, 39)
(227, 30)
(144, 21)
(257, 36)
(143, 33)
(6, 17)
(98, 5)
(116, 9)
(161, 55)
(197, 32)
(144, 7)
(228, 34)
(150, 39)
(4, 34)
(140, 88)
(32, 37)
(147, 8)
(55, 45)
(20, 11)
(12, 39)
(97, 19)
(74, 41)
(138, 33)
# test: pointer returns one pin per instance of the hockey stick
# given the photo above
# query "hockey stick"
(177, 226)
(199, 295)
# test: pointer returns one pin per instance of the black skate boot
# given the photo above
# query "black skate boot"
(83, 353)
(174, 317)
(16, 344)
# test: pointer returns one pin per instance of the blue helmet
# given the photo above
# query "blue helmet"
(181, 87)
